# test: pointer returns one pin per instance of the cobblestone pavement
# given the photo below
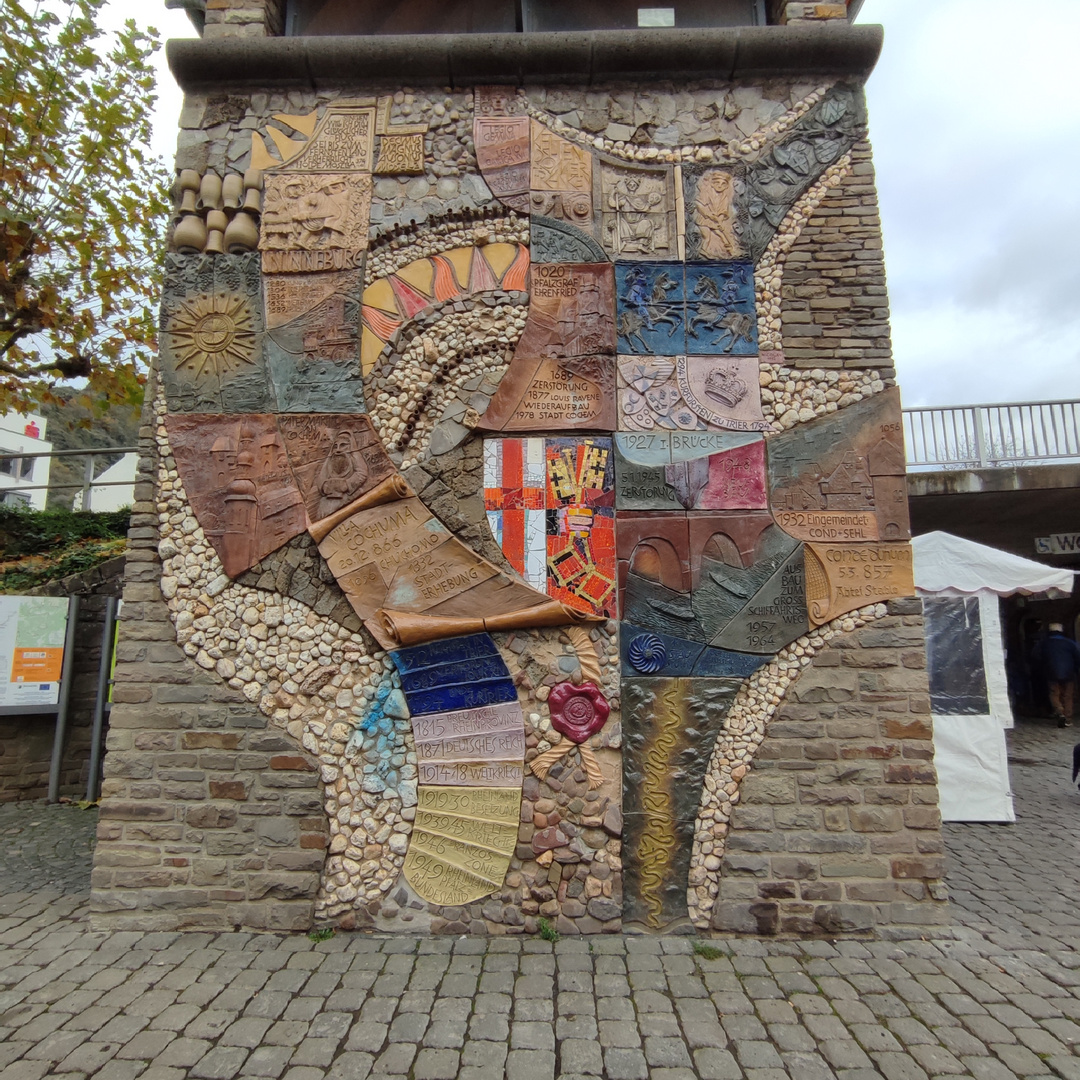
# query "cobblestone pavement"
(996, 996)
(46, 846)
(1020, 884)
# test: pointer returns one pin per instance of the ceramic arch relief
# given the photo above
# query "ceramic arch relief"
(489, 399)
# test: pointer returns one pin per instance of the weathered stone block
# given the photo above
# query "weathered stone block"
(228, 789)
(282, 886)
(788, 866)
(836, 918)
(875, 819)
(219, 740)
(928, 867)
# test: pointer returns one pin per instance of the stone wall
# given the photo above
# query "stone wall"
(26, 741)
(835, 303)
(544, 451)
(244, 18)
(837, 827)
(208, 820)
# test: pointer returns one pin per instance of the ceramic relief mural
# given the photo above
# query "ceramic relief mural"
(492, 390)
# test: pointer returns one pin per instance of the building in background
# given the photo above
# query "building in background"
(24, 434)
(112, 489)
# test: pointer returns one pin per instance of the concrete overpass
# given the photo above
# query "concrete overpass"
(1007, 476)
(1004, 475)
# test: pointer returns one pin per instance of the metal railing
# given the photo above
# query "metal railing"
(992, 436)
(88, 482)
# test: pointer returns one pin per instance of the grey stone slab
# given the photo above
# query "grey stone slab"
(534, 1009)
(269, 1061)
(221, 1063)
(484, 1055)
(576, 1027)
(666, 1053)
(625, 1064)
(662, 1024)
(397, 1058)
(315, 1052)
(489, 1026)
(581, 1056)
(530, 1065)
(350, 1066)
(146, 1045)
(525, 1035)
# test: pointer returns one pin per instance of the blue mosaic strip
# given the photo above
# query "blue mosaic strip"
(458, 673)
(448, 651)
(461, 696)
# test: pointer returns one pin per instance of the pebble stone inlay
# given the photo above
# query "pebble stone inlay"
(323, 684)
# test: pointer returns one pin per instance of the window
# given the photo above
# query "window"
(318, 17)
(10, 466)
(17, 498)
(401, 17)
(629, 15)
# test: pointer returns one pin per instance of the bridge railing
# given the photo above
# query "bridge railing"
(992, 436)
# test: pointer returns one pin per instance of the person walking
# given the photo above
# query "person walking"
(1060, 658)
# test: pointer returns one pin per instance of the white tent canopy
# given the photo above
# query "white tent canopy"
(961, 583)
(951, 566)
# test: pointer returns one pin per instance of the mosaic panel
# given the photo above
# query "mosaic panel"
(637, 212)
(236, 474)
(840, 478)
(625, 475)
(733, 478)
(550, 507)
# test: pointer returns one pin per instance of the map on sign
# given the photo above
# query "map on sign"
(31, 649)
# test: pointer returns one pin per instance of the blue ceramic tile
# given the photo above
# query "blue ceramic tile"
(721, 313)
(677, 657)
(475, 670)
(464, 695)
(651, 308)
(448, 651)
(646, 652)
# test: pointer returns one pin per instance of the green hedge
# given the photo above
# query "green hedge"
(26, 532)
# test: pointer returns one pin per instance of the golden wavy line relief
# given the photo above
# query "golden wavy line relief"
(658, 838)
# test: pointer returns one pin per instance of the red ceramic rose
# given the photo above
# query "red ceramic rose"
(577, 712)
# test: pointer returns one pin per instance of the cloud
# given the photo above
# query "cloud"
(976, 140)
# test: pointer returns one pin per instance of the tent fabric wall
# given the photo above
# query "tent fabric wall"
(970, 752)
(973, 769)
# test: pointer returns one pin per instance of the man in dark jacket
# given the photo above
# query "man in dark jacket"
(1060, 657)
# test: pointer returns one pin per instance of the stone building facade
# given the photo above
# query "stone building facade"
(521, 532)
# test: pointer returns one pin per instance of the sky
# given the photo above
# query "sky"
(976, 138)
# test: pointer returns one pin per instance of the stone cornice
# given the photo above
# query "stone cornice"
(458, 60)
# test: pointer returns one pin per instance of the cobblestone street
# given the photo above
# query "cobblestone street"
(997, 995)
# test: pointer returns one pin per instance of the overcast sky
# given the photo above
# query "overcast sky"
(976, 134)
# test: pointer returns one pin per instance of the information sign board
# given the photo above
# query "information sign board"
(31, 649)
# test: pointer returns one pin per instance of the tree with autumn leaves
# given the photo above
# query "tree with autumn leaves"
(82, 210)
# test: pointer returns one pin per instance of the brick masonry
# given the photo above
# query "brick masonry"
(838, 828)
(244, 18)
(835, 302)
(209, 819)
